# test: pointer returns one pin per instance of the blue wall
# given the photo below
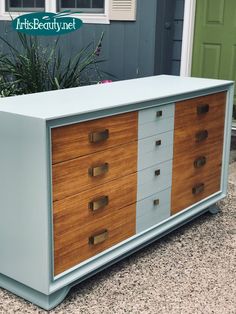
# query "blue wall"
(128, 47)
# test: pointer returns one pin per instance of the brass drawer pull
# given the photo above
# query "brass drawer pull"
(199, 162)
(98, 238)
(156, 202)
(198, 188)
(159, 114)
(201, 135)
(202, 109)
(97, 171)
(96, 137)
(158, 143)
(98, 203)
(157, 172)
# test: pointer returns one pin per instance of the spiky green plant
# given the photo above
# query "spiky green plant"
(33, 68)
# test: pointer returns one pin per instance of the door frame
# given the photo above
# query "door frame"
(188, 36)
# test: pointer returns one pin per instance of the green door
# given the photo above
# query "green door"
(214, 49)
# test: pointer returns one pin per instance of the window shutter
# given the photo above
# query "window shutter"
(123, 10)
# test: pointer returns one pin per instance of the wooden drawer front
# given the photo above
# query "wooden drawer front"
(155, 120)
(200, 111)
(197, 160)
(75, 246)
(155, 149)
(154, 179)
(81, 208)
(153, 210)
(72, 177)
(207, 184)
(69, 142)
(186, 140)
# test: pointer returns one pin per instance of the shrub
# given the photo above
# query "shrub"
(32, 68)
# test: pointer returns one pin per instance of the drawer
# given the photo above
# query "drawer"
(93, 204)
(197, 137)
(153, 210)
(154, 128)
(72, 141)
(187, 192)
(200, 111)
(155, 149)
(80, 174)
(79, 244)
(156, 114)
(154, 179)
(196, 162)
(155, 120)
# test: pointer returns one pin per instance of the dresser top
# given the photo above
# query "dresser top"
(79, 100)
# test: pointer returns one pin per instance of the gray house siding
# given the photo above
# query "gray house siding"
(129, 48)
(177, 38)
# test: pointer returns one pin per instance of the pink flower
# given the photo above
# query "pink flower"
(105, 81)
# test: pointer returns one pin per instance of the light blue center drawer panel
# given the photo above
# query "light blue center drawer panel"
(154, 179)
(155, 149)
(155, 120)
(153, 210)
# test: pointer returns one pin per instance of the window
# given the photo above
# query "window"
(84, 6)
(25, 5)
(92, 11)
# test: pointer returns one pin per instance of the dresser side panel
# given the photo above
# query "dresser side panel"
(24, 215)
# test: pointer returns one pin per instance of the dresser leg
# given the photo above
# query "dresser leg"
(214, 209)
(44, 301)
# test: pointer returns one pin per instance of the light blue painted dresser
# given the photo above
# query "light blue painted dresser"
(90, 175)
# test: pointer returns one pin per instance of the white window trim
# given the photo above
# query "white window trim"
(92, 18)
(188, 36)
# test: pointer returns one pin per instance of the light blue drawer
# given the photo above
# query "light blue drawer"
(150, 124)
(150, 115)
(149, 213)
(155, 149)
(149, 183)
(157, 127)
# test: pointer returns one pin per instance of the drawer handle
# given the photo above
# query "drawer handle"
(202, 109)
(201, 135)
(199, 162)
(156, 202)
(159, 114)
(98, 203)
(198, 188)
(98, 238)
(96, 137)
(97, 171)
(157, 172)
(158, 143)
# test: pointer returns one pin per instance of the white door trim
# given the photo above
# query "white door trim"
(188, 35)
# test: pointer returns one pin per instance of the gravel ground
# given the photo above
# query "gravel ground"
(190, 271)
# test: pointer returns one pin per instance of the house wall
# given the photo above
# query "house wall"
(177, 37)
(128, 47)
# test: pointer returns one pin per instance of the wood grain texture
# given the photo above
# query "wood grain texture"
(72, 247)
(186, 111)
(71, 177)
(71, 211)
(72, 141)
(187, 150)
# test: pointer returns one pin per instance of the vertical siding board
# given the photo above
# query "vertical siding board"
(116, 46)
(146, 47)
(131, 53)
(179, 10)
(177, 39)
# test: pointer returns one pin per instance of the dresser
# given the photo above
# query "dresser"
(92, 174)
